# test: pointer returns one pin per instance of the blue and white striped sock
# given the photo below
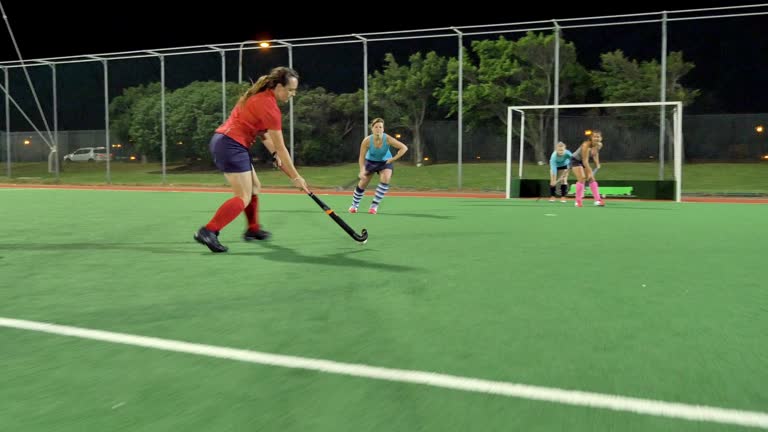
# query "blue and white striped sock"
(381, 190)
(357, 196)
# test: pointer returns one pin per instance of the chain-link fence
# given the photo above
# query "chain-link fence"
(448, 104)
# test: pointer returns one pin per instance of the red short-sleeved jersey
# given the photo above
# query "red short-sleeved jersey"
(259, 114)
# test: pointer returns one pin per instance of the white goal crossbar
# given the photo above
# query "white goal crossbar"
(676, 124)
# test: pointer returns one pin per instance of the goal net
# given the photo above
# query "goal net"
(642, 141)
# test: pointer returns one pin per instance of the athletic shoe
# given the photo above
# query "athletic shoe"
(563, 200)
(552, 199)
(373, 210)
(578, 204)
(599, 203)
(256, 235)
(353, 209)
(209, 239)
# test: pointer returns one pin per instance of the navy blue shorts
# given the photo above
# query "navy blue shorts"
(576, 163)
(229, 155)
(377, 166)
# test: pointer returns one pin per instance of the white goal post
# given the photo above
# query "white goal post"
(677, 128)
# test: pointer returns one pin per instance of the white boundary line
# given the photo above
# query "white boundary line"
(568, 397)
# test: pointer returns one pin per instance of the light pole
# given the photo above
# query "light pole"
(240, 61)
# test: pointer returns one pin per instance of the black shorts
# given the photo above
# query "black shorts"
(576, 163)
(562, 168)
(376, 166)
(229, 155)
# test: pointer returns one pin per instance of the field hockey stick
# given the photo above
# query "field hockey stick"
(361, 238)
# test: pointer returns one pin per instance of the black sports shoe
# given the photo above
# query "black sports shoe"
(256, 235)
(209, 239)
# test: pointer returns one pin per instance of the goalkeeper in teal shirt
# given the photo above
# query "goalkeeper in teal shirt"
(559, 164)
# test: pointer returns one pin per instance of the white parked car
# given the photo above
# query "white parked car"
(89, 154)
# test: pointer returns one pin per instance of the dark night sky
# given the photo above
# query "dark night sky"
(70, 28)
(727, 69)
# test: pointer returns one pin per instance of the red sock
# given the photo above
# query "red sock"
(252, 213)
(225, 214)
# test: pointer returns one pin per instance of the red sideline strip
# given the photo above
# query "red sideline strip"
(714, 199)
(227, 190)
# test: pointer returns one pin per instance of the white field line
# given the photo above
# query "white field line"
(700, 413)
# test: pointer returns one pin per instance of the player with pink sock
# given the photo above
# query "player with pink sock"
(581, 167)
(597, 140)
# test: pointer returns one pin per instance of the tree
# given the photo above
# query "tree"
(403, 94)
(122, 108)
(514, 73)
(347, 109)
(323, 120)
(621, 79)
(192, 115)
(313, 114)
(144, 130)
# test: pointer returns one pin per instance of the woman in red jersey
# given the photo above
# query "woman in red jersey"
(256, 114)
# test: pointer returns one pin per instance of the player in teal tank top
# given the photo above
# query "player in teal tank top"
(380, 154)
(376, 157)
(559, 164)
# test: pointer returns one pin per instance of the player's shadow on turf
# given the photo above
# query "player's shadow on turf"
(274, 252)
(509, 203)
(208, 212)
(291, 211)
(614, 207)
(158, 247)
(349, 218)
(415, 215)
